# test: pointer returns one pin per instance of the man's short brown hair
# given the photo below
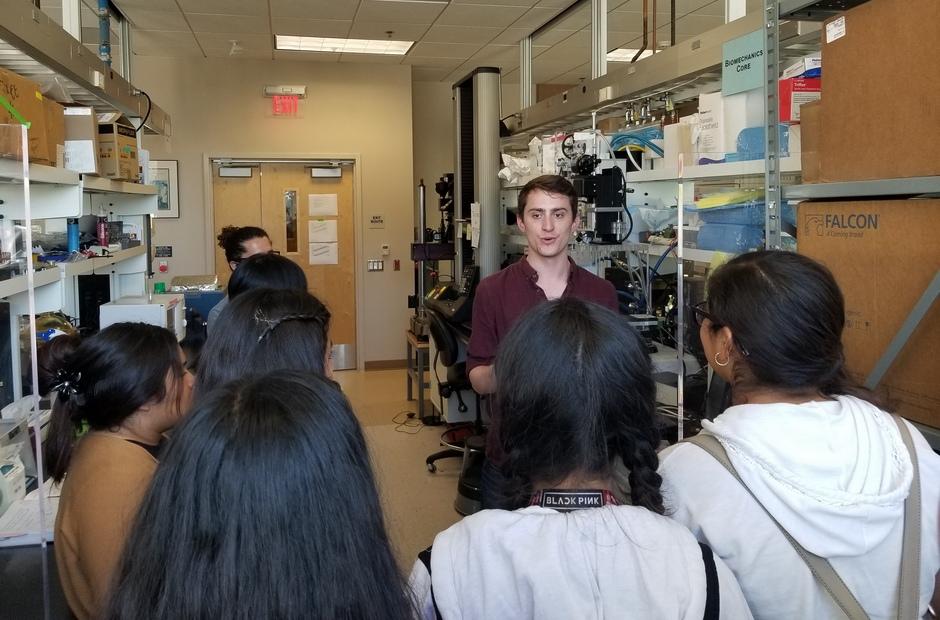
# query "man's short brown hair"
(550, 184)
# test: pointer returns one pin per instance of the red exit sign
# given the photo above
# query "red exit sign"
(285, 105)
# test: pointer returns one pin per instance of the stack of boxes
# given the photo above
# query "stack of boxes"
(71, 137)
(879, 119)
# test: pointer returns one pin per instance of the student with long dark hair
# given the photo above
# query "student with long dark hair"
(238, 243)
(575, 388)
(265, 330)
(266, 271)
(264, 506)
(127, 386)
(818, 458)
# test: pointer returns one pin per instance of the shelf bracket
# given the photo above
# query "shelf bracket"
(772, 194)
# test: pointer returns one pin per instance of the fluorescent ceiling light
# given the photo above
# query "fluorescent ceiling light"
(623, 54)
(343, 46)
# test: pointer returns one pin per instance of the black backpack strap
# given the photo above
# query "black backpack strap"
(425, 557)
(712, 598)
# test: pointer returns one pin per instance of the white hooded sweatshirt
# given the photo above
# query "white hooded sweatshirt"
(835, 475)
(537, 563)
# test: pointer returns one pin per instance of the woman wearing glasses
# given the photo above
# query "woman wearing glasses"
(817, 471)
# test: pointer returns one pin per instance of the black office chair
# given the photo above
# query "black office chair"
(464, 441)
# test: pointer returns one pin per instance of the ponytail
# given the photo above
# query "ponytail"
(638, 451)
(65, 426)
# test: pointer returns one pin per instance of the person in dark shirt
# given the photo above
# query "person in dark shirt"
(547, 213)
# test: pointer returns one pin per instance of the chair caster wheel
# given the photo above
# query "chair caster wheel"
(432, 468)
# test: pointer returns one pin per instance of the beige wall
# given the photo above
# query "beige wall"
(217, 108)
(433, 111)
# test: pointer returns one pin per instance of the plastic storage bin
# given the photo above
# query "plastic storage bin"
(734, 238)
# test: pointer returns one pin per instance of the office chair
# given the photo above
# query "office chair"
(469, 446)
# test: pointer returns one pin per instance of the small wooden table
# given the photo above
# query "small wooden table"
(418, 352)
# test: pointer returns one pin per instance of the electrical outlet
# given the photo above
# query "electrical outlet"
(386, 250)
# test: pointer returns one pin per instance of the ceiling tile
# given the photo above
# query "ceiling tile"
(226, 52)
(161, 37)
(145, 19)
(334, 28)
(220, 7)
(535, 17)
(445, 50)
(428, 61)
(314, 56)
(457, 34)
(153, 5)
(245, 24)
(377, 59)
(480, 15)
(522, 3)
(375, 30)
(623, 39)
(397, 12)
(575, 20)
(313, 9)
(224, 40)
(553, 36)
(424, 74)
(511, 36)
(560, 4)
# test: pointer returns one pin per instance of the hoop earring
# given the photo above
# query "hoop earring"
(719, 363)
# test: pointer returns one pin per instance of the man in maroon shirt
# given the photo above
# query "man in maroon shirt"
(547, 214)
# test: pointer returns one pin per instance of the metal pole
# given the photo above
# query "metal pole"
(598, 38)
(458, 185)
(772, 194)
(126, 48)
(486, 164)
(419, 238)
(104, 32)
(526, 83)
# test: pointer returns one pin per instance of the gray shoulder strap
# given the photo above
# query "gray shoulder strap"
(820, 567)
(909, 590)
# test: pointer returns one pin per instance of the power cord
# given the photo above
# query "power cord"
(407, 422)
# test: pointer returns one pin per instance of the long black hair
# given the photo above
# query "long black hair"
(266, 271)
(264, 506)
(232, 240)
(104, 380)
(575, 391)
(786, 314)
(264, 330)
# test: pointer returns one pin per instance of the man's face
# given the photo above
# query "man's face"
(255, 245)
(547, 223)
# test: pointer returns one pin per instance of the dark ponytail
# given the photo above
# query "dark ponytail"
(575, 395)
(104, 380)
(786, 314)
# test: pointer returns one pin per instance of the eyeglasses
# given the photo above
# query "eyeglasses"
(699, 313)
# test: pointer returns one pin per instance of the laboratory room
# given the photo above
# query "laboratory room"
(469, 309)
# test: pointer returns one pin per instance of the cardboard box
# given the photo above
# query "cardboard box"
(810, 64)
(795, 93)
(811, 134)
(54, 129)
(117, 147)
(24, 95)
(722, 118)
(883, 254)
(81, 140)
(881, 118)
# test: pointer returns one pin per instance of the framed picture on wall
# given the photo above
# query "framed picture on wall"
(164, 175)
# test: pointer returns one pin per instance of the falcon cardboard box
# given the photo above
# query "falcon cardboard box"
(884, 256)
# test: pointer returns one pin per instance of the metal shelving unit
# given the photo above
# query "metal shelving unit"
(34, 46)
(881, 188)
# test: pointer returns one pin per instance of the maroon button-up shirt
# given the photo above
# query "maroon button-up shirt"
(502, 298)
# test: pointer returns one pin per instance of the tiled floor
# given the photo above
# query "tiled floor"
(417, 504)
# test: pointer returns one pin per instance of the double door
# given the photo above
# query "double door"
(310, 221)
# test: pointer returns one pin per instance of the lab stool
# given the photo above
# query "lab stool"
(469, 494)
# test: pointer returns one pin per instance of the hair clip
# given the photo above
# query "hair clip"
(67, 382)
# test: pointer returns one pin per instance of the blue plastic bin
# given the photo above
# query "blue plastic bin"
(742, 214)
(730, 237)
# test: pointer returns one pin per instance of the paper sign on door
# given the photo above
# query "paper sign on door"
(322, 231)
(324, 253)
(319, 205)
